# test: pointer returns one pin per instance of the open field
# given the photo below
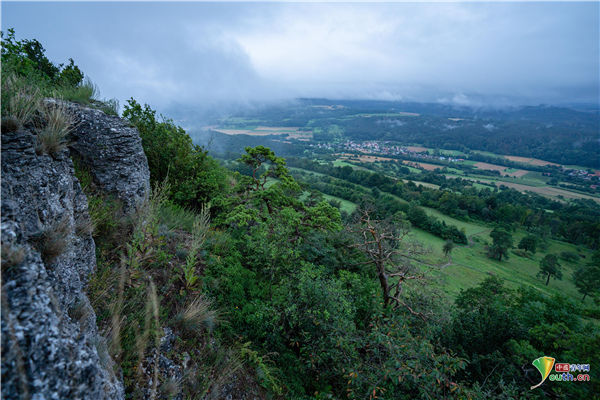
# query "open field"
(504, 170)
(290, 132)
(364, 158)
(424, 184)
(470, 265)
(529, 160)
(540, 188)
(416, 149)
(516, 173)
(491, 167)
(391, 114)
(470, 228)
(548, 191)
(304, 171)
(346, 205)
(344, 163)
(425, 166)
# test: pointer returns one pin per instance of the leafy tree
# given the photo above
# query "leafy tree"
(71, 75)
(194, 177)
(27, 58)
(528, 243)
(587, 278)
(448, 247)
(550, 267)
(502, 241)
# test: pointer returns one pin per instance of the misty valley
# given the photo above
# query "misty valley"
(298, 245)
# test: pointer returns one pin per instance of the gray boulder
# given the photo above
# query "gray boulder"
(112, 150)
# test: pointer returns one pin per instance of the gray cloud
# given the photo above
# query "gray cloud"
(204, 53)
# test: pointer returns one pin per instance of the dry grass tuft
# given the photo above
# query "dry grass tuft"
(197, 317)
(79, 311)
(84, 225)
(20, 100)
(170, 389)
(225, 366)
(52, 138)
(53, 240)
(117, 317)
(11, 256)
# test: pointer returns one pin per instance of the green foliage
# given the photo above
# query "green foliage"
(82, 93)
(110, 107)
(105, 211)
(25, 65)
(277, 272)
(264, 368)
(587, 277)
(27, 58)
(174, 216)
(569, 256)
(528, 243)
(502, 242)
(199, 232)
(193, 176)
(495, 326)
(448, 247)
(549, 267)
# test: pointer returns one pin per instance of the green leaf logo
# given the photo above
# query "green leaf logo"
(544, 365)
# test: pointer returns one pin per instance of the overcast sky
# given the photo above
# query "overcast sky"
(200, 53)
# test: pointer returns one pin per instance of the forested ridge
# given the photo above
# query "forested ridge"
(270, 291)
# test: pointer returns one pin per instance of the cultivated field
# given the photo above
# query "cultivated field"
(425, 166)
(530, 161)
(416, 149)
(424, 184)
(491, 167)
(364, 158)
(289, 132)
(548, 191)
(517, 173)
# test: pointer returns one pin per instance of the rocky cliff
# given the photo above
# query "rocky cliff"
(51, 348)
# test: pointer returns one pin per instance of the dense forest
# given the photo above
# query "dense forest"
(268, 286)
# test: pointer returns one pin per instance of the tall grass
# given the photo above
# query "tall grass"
(197, 317)
(20, 100)
(199, 232)
(52, 136)
(174, 216)
(83, 93)
(53, 240)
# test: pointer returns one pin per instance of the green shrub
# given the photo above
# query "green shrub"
(109, 107)
(569, 256)
(194, 177)
(82, 93)
(174, 216)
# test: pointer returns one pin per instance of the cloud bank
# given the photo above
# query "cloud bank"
(202, 54)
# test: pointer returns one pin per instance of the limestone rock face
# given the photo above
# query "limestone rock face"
(112, 150)
(51, 348)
